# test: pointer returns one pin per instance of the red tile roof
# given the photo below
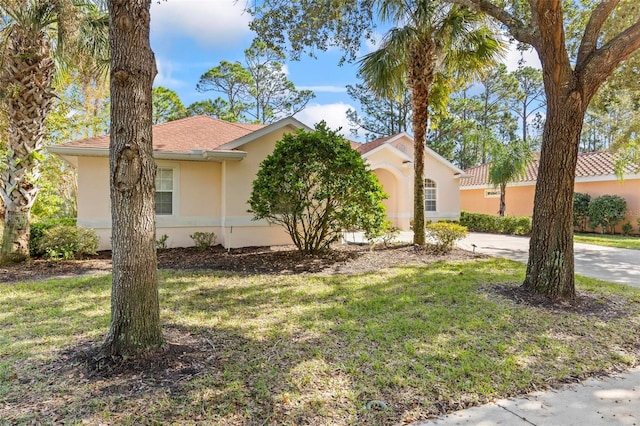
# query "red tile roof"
(590, 164)
(363, 148)
(193, 133)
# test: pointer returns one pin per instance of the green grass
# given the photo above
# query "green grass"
(309, 349)
(619, 241)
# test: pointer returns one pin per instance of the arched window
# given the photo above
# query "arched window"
(429, 195)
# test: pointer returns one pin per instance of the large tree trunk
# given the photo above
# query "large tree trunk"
(550, 269)
(135, 322)
(421, 74)
(28, 73)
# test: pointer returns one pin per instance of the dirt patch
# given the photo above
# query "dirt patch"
(595, 305)
(342, 259)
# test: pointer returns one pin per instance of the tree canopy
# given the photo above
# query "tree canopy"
(258, 92)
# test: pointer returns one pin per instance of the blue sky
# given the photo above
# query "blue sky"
(191, 36)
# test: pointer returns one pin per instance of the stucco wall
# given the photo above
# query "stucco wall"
(389, 164)
(519, 199)
(198, 202)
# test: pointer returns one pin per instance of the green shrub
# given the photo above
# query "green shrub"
(478, 222)
(446, 234)
(315, 186)
(161, 243)
(607, 211)
(68, 242)
(390, 233)
(627, 228)
(204, 240)
(37, 229)
(581, 210)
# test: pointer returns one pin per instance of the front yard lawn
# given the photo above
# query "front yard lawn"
(618, 241)
(394, 346)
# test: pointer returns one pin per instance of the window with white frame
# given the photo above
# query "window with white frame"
(429, 195)
(164, 191)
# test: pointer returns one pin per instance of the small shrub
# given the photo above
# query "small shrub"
(581, 210)
(390, 233)
(68, 242)
(607, 211)
(446, 234)
(204, 240)
(627, 228)
(37, 229)
(161, 243)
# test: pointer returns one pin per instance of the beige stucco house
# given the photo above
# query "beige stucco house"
(595, 175)
(205, 172)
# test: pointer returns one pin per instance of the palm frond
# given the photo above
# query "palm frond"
(385, 70)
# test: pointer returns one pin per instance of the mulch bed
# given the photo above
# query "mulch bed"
(342, 259)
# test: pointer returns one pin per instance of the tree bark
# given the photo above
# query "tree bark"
(421, 76)
(135, 323)
(503, 196)
(28, 72)
(550, 269)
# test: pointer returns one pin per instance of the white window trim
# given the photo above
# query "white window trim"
(175, 204)
(436, 195)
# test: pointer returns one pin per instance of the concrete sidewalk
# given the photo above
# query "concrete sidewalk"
(610, 401)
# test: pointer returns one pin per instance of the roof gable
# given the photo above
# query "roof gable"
(374, 146)
(249, 137)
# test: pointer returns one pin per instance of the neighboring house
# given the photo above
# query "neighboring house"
(205, 172)
(595, 175)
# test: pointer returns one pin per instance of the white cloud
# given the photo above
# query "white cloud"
(165, 75)
(514, 55)
(324, 88)
(335, 115)
(209, 22)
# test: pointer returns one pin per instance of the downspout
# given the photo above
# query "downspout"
(223, 204)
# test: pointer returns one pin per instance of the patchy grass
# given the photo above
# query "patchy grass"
(618, 241)
(310, 349)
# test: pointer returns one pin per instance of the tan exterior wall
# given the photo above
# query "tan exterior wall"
(198, 202)
(396, 175)
(519, 199)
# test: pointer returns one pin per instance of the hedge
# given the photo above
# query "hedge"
(478, 222)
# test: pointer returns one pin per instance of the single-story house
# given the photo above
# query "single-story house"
(205, 172)
(595, 175)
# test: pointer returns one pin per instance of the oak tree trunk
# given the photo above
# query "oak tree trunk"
(135, 323)
(421, 76)
(550, 269)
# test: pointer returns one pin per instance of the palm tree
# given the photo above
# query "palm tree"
(508, 163)
(38, 39)
(435, 42)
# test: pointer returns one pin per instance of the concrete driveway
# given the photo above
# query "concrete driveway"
(606, 263)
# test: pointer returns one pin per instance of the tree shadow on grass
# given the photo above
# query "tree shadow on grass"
(315, 350)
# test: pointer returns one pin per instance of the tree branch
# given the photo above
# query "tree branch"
(589, 41)
(518, 29)
(605, 60)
